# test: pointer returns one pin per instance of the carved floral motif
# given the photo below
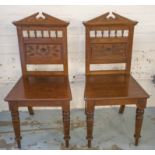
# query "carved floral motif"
(53, 51)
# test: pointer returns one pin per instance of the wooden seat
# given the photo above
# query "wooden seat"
(42, 41)
(109, 39)
(119, 86)
(42, 88)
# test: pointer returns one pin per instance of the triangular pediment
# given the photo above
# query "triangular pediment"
(42, 19)
(108, 18)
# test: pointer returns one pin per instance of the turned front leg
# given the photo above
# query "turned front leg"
(66, 122)
(16, 124)
(90, 120)
(139, 120)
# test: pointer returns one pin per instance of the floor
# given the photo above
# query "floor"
(112, 131)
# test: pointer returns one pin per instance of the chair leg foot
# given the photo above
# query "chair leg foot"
(136, 142)
(121, 109)
(136, 139)
(30, 109)
(19, 144)
(89, 143)
(66, 143)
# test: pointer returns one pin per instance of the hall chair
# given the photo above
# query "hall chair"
(42, 41)
(109, 40)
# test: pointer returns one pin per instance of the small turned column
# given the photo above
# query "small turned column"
(90, 120)
(16, 123)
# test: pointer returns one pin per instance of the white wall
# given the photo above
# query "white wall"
(143, 61)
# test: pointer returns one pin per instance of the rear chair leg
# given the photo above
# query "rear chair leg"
(30, 109)
(121, 109)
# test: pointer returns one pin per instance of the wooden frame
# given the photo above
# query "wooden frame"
(42, 40)
(109, 39)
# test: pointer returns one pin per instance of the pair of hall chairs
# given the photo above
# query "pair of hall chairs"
(43, 40)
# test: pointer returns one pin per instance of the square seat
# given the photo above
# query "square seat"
(115, 86)
(40, 88)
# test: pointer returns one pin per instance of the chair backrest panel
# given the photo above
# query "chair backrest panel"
(108, 41)
(42, 40)
(43, 45)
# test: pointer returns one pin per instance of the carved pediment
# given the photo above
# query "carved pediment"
(109, 18)
(42, 19)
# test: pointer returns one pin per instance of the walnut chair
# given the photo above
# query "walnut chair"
(109, 40)
(42, 41)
